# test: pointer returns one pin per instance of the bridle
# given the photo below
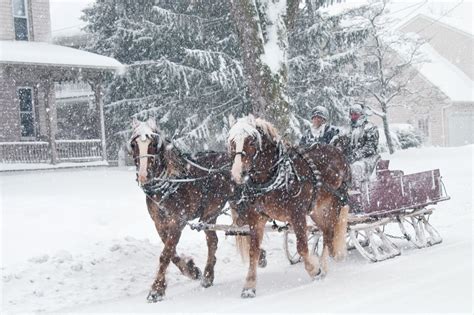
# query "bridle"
(146, 155)
(155, 180)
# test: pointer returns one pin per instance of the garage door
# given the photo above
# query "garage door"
(461, 130)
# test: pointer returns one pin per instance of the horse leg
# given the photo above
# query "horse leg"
(339, 247)
(185, 264)
(257, 226)
(212, 240)
(242, 242)
(159, 285)
(262, 259)
(311, 262)
(324, 258)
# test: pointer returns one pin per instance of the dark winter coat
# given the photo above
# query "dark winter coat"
(366, 144)
(326, 137)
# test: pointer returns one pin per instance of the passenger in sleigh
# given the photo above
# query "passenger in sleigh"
(363, 147)
(321, 131)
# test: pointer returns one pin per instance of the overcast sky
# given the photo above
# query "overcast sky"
(65, 15)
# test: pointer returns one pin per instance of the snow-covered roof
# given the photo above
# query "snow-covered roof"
(454, 83)
(39, 53)
(454, 14)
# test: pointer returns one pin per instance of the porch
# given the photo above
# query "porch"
(41, 122)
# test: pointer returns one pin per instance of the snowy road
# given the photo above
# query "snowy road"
(76, 241)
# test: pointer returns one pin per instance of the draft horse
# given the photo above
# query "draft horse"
(287, 184)
(178, 189)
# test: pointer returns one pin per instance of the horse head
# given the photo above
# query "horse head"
(146, 146)
(248, 141)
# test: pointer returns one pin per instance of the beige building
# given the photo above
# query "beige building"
(41, 87)
(445, 111)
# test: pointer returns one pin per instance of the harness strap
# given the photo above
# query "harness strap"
(209, 170)
(340, 192)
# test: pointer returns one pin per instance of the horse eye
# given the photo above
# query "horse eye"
(132, 145)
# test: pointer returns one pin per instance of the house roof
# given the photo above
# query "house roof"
(44, 54)
(455, 14)
(454, 83)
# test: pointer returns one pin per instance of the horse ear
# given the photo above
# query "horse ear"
(135, 122)
(151, 122)
(232, 120)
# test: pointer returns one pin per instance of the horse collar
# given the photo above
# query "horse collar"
(282, 178)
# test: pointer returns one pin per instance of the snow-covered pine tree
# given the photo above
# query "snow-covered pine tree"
(322, 61)
(183, 68)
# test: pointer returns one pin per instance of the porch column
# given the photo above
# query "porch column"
(51, 118)
(97, 87)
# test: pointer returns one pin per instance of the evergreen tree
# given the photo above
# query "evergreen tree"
(182, 68)
(324, 50)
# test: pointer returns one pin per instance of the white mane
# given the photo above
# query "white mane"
(144, 129)
(243, 128)
(247, 126)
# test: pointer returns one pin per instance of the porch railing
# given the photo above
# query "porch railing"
(40, 152)
(82, 150)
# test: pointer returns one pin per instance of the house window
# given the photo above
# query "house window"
(20, 19)
(27, 115)
(423, 126)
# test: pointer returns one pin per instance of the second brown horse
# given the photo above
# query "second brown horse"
(287, 184)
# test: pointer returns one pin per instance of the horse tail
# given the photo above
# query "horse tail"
(242, 242)
(340, 231)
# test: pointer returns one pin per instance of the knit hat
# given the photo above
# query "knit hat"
(356, 108)
(320, 112)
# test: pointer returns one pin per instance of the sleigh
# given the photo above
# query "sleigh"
(390, 209)
(386, 212)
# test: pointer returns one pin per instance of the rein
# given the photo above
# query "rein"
(168, 186)
(209, 170)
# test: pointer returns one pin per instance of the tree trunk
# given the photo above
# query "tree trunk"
(264, 42)
(386, 130)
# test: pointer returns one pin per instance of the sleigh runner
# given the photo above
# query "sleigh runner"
(392, 201)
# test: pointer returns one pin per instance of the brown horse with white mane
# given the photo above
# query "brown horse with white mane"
(287, 184)
(179, 189)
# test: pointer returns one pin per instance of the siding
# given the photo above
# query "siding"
(9, 119)
(6, 18)
(39, 20)
(10, 79)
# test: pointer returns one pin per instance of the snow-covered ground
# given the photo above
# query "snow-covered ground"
(81, 240)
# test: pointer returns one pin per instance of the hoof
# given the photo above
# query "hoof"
(262, 260)
(194, 272)
(340, 256)
(206, 282)
(155, 296)
(248, 293)
(320, 275)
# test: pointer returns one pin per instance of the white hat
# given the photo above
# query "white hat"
(320, 111)
(356, 108)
